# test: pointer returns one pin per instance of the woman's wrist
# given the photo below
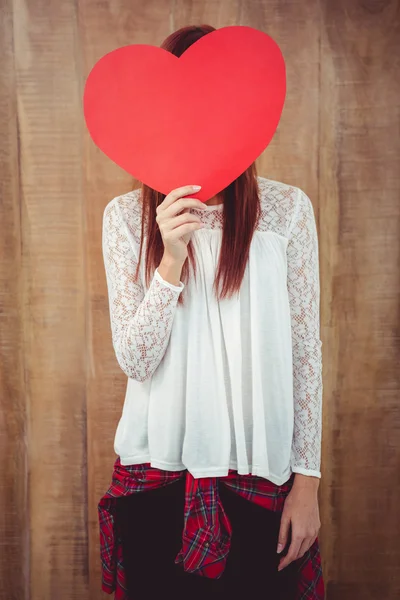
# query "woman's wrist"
(306, 481)
(170, 270)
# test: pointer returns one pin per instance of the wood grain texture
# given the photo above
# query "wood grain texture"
(112, 24)
(14, 542)
(359, 180)
(61, 388)
(292, 156)
(46, 62)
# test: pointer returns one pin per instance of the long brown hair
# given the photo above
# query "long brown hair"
(240, 215)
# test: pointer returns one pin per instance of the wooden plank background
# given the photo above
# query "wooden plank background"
(61, 390)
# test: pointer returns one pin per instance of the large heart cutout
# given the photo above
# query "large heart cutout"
(200, 119)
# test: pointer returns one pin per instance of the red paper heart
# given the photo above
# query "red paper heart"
(202, 118)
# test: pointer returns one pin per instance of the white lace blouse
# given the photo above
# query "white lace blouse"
(235, 384)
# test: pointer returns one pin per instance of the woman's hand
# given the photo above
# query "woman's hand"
(176, 223)
(301, 511)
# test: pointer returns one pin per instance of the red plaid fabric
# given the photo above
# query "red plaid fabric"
(207, 530)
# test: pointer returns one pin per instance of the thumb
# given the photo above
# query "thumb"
(283, 533)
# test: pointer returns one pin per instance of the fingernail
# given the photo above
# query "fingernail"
(280, 548)
(197, 187)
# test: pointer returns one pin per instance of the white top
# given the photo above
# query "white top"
(235, 384)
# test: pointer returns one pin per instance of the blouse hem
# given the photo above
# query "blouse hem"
(210, 471)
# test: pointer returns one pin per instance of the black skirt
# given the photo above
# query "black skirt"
(151, 525)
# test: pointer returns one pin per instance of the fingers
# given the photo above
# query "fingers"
(178, 206)
(171, 224)
(175, 204)
(180, 192)
(283, 532)
(303, 544)
(292, 552)
(307, 542)
(310, 541)
(178, 232)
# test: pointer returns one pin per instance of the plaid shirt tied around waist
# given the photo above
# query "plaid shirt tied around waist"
(207, 531)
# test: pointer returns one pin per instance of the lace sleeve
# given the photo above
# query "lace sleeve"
(304, 297)
(140, 323)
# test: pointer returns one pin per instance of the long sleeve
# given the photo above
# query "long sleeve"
(140, 323)
(304, 297)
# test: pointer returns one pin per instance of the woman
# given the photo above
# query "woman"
(217, 327)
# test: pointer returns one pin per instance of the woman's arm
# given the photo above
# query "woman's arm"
(301, 511)
(304, 298)
(140, 323)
